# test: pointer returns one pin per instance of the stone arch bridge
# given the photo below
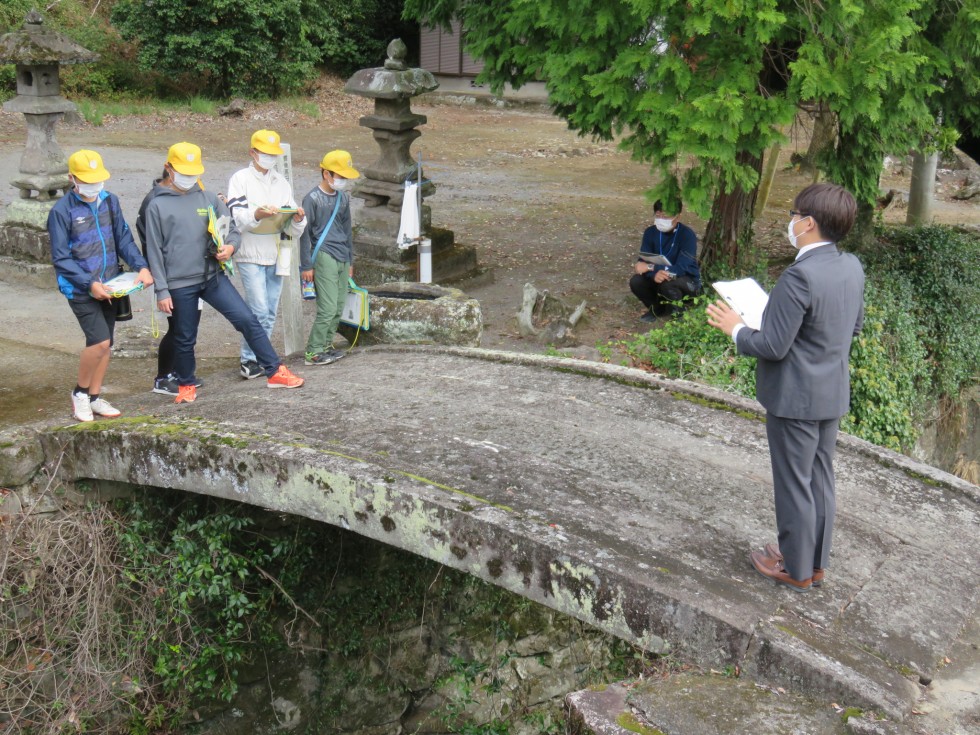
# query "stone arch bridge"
(628, 501)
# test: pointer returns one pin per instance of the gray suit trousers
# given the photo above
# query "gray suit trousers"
(802, 454)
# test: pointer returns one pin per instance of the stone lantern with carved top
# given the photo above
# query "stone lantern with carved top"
(37, 53)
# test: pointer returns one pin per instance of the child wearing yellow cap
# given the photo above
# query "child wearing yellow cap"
(255, 194)
(88, 237)
(327, 252)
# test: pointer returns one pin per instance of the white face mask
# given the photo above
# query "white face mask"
(663, 224)
(88, 191)
(266, 160)
(184, 182)
(342, 184)
(790, 234)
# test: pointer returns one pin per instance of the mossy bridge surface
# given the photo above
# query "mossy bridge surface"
(628, 501)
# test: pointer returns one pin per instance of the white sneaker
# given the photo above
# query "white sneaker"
(103, 408)
(82, 406)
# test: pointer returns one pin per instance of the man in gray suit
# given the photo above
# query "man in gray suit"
(803, 380)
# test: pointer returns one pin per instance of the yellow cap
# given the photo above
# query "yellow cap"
(86, 166)
(339, 162)
(267, 141)
(185, 159)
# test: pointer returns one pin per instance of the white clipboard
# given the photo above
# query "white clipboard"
(746, 297)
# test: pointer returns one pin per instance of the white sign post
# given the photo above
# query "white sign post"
(294, 337)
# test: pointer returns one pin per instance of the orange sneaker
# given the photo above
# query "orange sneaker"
(186, 394)
(285, 379)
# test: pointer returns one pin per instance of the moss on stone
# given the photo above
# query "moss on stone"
(717, 405)
(628, 721)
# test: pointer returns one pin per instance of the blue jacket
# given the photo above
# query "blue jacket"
(87, 241)
(680, 247)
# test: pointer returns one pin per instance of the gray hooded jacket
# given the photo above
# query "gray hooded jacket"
(178, 244)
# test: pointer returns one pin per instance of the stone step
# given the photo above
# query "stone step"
(710, 704)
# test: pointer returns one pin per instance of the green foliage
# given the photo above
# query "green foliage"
(686, 347)
(701, 89)
(256, 48)
(937, 270)
(207, 573)
(248, 47)
(889, 372)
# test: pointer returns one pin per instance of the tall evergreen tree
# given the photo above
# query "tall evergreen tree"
(700, 89)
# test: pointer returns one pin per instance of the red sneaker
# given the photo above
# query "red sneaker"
(186, 394)
(283, 378)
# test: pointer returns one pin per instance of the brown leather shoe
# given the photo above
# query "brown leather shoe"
(774, 570)
(773, 552)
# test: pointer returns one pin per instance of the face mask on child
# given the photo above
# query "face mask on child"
(183, 181)
(88, 191)
(342, 184)
(266, 160)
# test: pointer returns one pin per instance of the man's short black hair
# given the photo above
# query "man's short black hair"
(658, 207)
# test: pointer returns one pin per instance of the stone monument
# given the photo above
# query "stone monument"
(379, 258)
(37, 53)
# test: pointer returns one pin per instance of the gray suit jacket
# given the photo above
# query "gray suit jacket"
(815, 309)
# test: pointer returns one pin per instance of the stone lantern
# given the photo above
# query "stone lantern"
(393, 124)
(37, 53)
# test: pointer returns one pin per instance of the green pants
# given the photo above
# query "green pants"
(330, 276)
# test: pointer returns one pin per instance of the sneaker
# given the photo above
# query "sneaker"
(102, 407)
(648, 317)
(336, 354)
(251, 370)
(285, 379)
(81, 406)
(320, 358)
(166, 386)
(186, 394)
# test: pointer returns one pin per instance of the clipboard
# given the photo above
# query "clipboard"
(357, 307)
(654, 259)
(123, 285)
(275, 223)
(746, 297)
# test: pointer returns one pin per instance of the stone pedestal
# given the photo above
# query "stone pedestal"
(380, 260)
(419, 313)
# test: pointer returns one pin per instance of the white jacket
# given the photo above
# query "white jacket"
(247, 191)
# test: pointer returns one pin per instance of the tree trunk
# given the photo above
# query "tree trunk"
(765, 186)
(730, 226)
(923, 188)
(824, 135)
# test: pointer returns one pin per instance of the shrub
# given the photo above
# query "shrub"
(889, 371)
(256, 48)
(937, 270)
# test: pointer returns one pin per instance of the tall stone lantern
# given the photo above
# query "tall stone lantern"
(393, 124)
(37, 53)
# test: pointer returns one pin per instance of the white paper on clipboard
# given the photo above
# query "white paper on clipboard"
(746, 297)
